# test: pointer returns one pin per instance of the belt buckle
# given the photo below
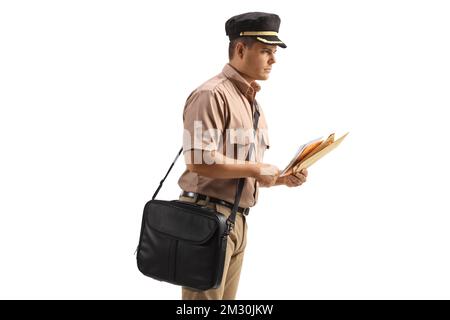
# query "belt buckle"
(192, 195)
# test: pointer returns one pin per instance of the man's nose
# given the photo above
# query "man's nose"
(272, 59)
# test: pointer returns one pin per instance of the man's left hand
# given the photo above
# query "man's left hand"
(295, 179)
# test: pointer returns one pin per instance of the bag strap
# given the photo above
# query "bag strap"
(168, 171)
(240, 182)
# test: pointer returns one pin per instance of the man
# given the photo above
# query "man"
(218, 122)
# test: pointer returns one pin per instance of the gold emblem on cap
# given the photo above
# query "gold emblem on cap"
(259, 33)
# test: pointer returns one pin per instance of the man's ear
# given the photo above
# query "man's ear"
(240, 47)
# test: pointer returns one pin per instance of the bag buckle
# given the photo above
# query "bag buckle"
(230, 227)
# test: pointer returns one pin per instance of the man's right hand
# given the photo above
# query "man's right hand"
(268, 174)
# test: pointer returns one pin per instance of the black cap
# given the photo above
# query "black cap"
(263, 26)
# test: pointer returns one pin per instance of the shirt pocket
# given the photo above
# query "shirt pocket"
(262, 142)
(263, 138)
(239, 142)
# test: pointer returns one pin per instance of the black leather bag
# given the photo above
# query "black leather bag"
(184, 243)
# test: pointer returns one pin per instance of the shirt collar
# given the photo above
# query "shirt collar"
(248, 90)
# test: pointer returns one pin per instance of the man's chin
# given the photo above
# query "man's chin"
(263, 77)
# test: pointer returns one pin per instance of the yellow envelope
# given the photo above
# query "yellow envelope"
(315, 157)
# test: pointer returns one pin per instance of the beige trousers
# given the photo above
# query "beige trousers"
(236, 244)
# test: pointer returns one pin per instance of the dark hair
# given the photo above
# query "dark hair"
(247, 41)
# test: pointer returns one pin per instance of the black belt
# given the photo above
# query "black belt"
(198, 196)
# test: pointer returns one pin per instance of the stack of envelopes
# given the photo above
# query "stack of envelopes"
(310, 152)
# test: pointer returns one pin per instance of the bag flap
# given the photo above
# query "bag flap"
(181, 221)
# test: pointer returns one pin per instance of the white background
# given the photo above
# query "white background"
(91, 96)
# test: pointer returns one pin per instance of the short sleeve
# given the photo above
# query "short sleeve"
(204, 121)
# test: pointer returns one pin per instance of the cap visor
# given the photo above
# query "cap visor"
(272, 40)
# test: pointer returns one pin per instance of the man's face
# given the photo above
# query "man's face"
(257, 60)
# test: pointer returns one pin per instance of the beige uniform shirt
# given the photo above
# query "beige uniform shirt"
(218, 115)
